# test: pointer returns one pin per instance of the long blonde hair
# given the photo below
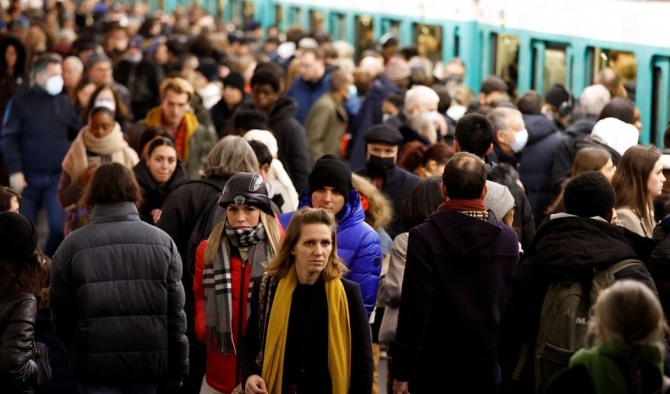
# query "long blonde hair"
(283, 261)
(218, 236)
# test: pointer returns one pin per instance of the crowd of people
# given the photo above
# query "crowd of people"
(237, 210)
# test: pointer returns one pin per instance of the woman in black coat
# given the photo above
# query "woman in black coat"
(158, 174)
(308, 329)
(22, 276)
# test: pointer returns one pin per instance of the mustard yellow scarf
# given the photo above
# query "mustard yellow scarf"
(339, 335)
(154, 118)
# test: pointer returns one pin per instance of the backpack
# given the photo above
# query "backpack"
(564, 322)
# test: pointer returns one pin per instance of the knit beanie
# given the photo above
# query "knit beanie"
(331, 171)
(397, 68)
(234, 80)
(19, 236)
(498, 199)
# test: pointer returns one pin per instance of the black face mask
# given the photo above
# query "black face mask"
(378, 165)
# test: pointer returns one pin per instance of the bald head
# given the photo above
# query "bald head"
(464, 177)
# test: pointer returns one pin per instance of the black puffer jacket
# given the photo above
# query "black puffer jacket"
(563, 247)
(117, 300)
(18, 372)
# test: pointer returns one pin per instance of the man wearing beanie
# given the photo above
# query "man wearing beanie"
(232, 96)
(329, 188)
(381, 156)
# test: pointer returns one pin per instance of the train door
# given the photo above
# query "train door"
(660, 105)
(550, 66)
(365, 37)
(428, 39)
(505, 53)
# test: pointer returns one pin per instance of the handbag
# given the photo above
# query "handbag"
(41, 358)
(388, 325)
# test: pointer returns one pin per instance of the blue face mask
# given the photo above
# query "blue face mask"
(520, 140)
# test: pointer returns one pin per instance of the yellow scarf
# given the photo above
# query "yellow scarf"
(154, 118)
(339, 335)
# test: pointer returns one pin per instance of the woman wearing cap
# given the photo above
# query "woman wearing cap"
(238, 247)
(22, 276)
(308, 329)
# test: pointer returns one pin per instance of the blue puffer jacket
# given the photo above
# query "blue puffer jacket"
(357, 244)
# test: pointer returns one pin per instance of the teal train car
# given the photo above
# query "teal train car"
(531, 43)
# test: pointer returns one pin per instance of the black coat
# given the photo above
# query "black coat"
(536, 162)
(569, 246)
(154, 196)
(18, 372)
(397, 184)
(361, 343)
(117, 300)
(659, 263)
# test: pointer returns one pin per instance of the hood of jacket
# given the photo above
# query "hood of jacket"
(539, 127)
(582, 126)
(351, 214)
(464, 236)
(580, 244)
(284, 107)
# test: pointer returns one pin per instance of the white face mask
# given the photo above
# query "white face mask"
(54, 85)
(432, 116)
(520, 140)
(105, 103)
(385, 117)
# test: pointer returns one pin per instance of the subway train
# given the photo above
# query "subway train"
(533, 44)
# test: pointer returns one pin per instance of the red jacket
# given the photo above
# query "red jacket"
(221, 368)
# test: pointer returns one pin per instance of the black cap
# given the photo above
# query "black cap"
(209, 70)
(331, 171)
(246, 188)
(19, 236)
(557, 95)
(383, 133)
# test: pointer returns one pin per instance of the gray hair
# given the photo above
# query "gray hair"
(230, 155)
(594, 98)
(501, 116)
(420, 96)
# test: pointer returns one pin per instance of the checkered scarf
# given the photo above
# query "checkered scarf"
(217, 282)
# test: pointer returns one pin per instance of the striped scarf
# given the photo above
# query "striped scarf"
(217, 281)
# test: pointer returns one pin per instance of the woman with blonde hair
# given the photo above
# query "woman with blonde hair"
(238, 247)
(308, 328)
(637, 180)
(626, 337)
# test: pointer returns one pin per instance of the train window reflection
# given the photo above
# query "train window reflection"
(506, 59)
(296, 16)
(660, 105)
(279, 14)
(338, 26)
(428, 40)
(554, 66)
(316, 21)
(364, 33)
(623, 62)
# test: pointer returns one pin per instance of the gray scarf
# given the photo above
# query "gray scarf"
(217, 281)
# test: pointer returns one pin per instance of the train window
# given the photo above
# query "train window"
(623, 62)
(338, 26)
(316, 21)
(279, 15)
(236, 12)
(660, 105)
(249, 10)
(391, 26)
(506, 59)
(365, 38)
(428, 40)
(554, 66)
(296, 16)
